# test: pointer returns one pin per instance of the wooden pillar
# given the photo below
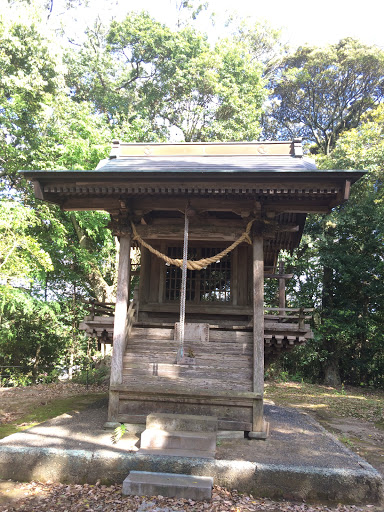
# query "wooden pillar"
(281, 288)
(121, 308)
(120, 324)
(258, 428)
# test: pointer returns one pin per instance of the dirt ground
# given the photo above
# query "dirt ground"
(354, 416)
(19, 401)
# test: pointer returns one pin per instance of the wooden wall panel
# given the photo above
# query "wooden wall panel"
(144, 276)
(243, 275)
(154, 280)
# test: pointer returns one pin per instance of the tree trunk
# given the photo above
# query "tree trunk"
(35, 368)
(103, 292)
(332, 373)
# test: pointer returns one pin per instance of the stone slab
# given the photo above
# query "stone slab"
(179, 440)
(183, 422)
(171, 485)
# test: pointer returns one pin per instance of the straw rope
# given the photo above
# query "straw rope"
(204, 262)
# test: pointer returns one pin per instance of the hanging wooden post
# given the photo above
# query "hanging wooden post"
(120, 323)
(258, 423)
(281, 288)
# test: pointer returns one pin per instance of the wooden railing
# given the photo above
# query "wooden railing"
(101, 309)
(289, 315)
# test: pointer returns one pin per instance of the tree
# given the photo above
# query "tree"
(29, 79)
(140, 69)
(320, 93)
(347, 246)
(21, 255)
(264, 43)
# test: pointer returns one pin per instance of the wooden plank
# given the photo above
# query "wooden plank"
(229, 336)
(217, 395)
(213, 308)
(215, 360)
(122, 298)
(153, 332)
(293, 310)
(201, 397)
(283, 326)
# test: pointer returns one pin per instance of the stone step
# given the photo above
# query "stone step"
(181, 422)
(174, 452)
(180, 440)
(145, 483)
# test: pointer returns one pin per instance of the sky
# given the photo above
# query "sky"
(317, 22)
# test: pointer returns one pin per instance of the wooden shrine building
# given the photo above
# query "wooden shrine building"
(210, 195)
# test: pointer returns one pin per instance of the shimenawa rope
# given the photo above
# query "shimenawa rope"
(200, 264)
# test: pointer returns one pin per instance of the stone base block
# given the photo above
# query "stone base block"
(144, 483)
(183, 422)
(160, 439)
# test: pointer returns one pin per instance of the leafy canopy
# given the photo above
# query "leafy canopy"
(319, 93)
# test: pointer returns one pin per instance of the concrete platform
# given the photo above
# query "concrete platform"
(299, 460)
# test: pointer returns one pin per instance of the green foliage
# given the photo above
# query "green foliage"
(29, 80)
(92, 376)
(118, 433)
(33, 335)
(21, 255)
(139, 69)
(320, 93)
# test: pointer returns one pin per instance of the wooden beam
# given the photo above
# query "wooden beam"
(199, 204)
(38, 190)
(278, 276)
(110, 204)
(121, 309)
(208, 232)
(298, 207)
(343, 195)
